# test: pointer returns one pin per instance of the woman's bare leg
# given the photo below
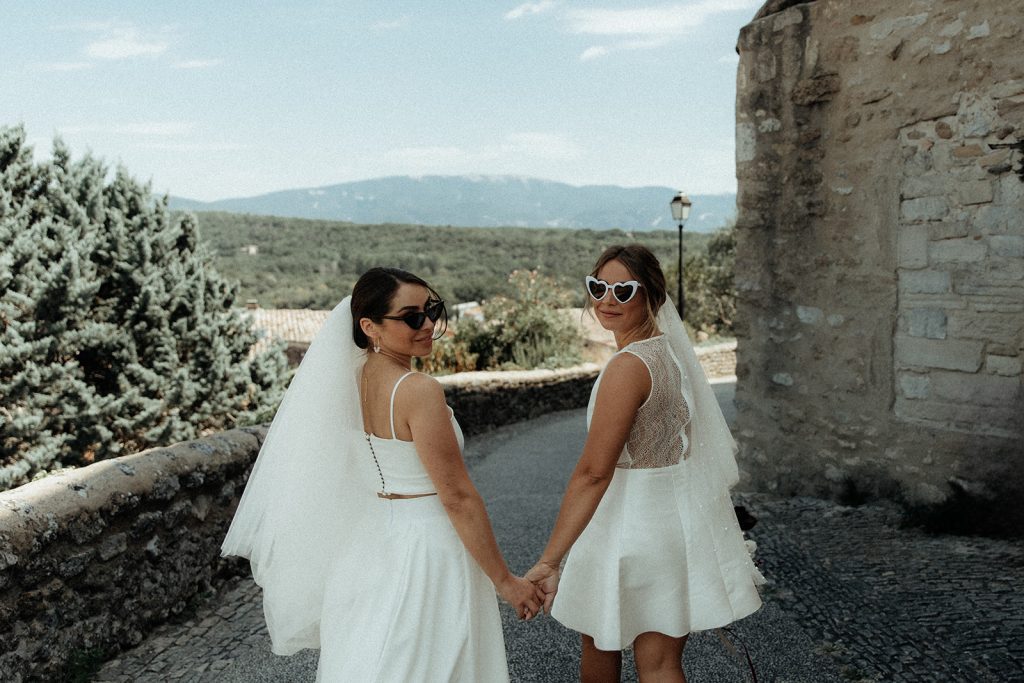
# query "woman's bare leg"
(659, 658)
(599, 666)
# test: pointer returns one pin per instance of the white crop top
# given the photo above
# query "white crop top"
(401, 469)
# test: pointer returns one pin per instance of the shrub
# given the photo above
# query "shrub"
(709, 284)
(524, 331)
(117, 334)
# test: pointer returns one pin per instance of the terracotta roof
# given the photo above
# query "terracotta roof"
(288, 324)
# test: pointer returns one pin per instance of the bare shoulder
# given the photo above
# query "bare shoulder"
(626, 375)
(626, 366)
(422, 389)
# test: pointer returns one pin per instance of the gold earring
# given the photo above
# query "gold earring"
(376, 345)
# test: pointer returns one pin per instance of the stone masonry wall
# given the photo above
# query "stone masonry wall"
(94, 558)
(880, 248)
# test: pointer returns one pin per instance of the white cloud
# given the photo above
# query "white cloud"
(646, 28)
(510, 151)
(539, 145)
(196, 63)
(145, 128)
(63, 66)
(528, 8)
(123, 41)
(661, 20)
(394, 24)
(593, 53)
(193, 147)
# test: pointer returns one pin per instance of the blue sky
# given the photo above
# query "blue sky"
(219, 99)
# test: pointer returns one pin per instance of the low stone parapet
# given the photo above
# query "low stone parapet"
(93, 559)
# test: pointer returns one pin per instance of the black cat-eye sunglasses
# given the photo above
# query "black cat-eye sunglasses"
(434, 310)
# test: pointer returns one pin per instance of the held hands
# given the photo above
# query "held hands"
(524, 597)
(545, 576)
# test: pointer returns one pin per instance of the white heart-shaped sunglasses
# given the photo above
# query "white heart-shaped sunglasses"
(622, 291)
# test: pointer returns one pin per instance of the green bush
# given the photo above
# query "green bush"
(116, 333)
(520, 332)
(708, 283)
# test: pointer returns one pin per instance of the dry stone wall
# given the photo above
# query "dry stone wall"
(880, 248)
(91, 560)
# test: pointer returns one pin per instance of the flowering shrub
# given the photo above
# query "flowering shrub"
(524, 331)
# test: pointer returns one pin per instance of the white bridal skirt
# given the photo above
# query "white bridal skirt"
(661, 553)
(411, 605)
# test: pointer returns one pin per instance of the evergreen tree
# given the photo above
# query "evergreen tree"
(116, 334)
(709, 283)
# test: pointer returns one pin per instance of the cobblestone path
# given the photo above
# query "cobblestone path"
(894, 604)
(884, 603)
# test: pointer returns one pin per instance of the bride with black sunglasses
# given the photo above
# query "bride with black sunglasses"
(359, 518)
(651, 547)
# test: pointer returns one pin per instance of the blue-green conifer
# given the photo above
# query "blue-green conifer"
(116, 332)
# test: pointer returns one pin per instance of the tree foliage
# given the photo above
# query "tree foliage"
(116, 334)
(526, 330)
(299, 263)
(709, 284)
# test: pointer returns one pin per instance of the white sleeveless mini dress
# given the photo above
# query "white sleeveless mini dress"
(663, 551)
(413, 604)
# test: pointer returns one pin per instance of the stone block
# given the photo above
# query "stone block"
(944, 230)
(885, 27)
(924, 185)
(981, 30)
(809, 314)
(977, 117)
(1007, 366)
(783, 379)
(968, 151)
(1007, 89)
(996, 218)
(746, 142)
(996, 421)
(926, 322)
(912, 246)
(975, 389)
(963, 250)
(924, 282)
(1009, 246)
(913, 385)
(976, 192)
(996, 286)
(923, 209)
(947, 354)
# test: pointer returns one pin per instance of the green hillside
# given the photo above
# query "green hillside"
(299, 263)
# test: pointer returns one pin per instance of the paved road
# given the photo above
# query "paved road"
(853, 595)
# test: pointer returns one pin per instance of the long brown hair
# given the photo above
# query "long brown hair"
(643, 265)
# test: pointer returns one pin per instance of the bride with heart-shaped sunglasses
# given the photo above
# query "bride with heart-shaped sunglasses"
(646, 548)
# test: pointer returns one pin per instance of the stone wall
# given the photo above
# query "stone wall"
(94, 558)
(880, 248)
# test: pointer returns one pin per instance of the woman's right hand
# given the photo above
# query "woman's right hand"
(524, 597)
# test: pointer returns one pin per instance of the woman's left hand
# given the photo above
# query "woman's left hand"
(545, 576)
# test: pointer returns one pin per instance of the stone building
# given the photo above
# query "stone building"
(880, 248)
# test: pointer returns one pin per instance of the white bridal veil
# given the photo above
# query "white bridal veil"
(711, 439)
(310, 491)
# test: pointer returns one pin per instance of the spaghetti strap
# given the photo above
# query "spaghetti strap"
(393, 392)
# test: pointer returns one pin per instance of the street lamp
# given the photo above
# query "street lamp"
(680, 212)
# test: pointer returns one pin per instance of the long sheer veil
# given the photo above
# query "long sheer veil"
(310, 491)
(712, 442)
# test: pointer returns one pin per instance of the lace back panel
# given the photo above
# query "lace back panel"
(660, 435)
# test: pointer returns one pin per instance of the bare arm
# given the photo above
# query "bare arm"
(438, 449)
(624, 387)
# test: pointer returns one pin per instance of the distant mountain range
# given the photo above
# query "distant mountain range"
(481, 201)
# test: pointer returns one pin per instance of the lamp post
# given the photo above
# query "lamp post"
(680, 212)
